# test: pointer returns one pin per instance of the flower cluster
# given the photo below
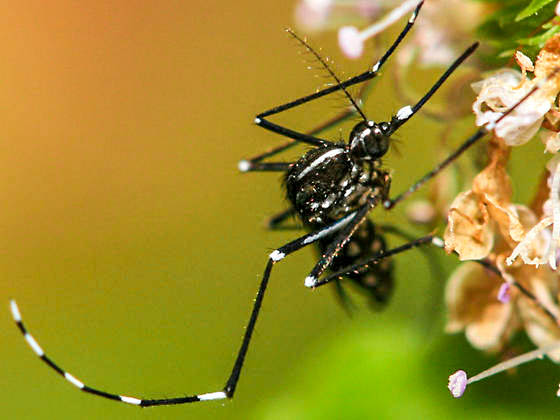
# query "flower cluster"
(520, 242)
(444, 25)
(509, 282)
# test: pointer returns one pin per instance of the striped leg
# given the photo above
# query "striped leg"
(429, 239)
(80, 385)
(367, 75)
(481, 132)
(231, 383)
(338, 243)
(253, 164)
(406, 113)
(248, 165)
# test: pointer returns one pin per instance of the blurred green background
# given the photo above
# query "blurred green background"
(134, 247)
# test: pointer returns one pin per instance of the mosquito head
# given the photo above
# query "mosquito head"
(369, 140)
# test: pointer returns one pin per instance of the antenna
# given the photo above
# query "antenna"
(331, 72)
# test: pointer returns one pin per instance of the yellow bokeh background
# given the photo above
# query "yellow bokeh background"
(133, 245)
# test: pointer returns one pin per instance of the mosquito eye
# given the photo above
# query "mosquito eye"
(377, 145)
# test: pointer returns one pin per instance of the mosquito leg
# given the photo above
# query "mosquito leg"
(229, 389)
(247, 164)
(288, 132)
(338, 243)
(367, 75)
(481, 132)
(495, 270)
(406, 113)
(375, 259)
(251, 164)
(274, 257)
(435, 266)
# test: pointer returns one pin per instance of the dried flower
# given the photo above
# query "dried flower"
(502, 90)
(476, 215)
(524, 63)
(498, 93)
(483, 223)
(470, 296)
(539, 245)
(551, 140)
(442, 27)
(489, 323)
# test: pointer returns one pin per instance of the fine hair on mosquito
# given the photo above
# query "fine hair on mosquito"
(331, 189)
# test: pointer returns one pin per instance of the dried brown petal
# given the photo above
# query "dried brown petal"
(507, 220)
(492, 329)
(540, 244)
(551, 140)
(546, 64)
(539, 327)
(494, 181)
(524, 62)
(499, 92)
(468, 231)
(471, 298)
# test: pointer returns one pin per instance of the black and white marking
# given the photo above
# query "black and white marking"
(80, 385)
(332, 189)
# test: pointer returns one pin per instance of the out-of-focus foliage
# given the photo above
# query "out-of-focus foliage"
(518, 25)
(390, 370)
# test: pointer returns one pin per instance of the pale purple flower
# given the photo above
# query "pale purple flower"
(313, 14)
(319, 15)
(351, 40)
(504, 292)
(457, 383)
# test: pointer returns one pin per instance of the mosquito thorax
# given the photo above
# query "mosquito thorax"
(369, 140)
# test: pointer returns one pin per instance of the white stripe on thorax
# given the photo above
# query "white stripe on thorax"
(318, 161)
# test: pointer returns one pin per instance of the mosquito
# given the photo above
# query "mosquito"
(332, 189)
